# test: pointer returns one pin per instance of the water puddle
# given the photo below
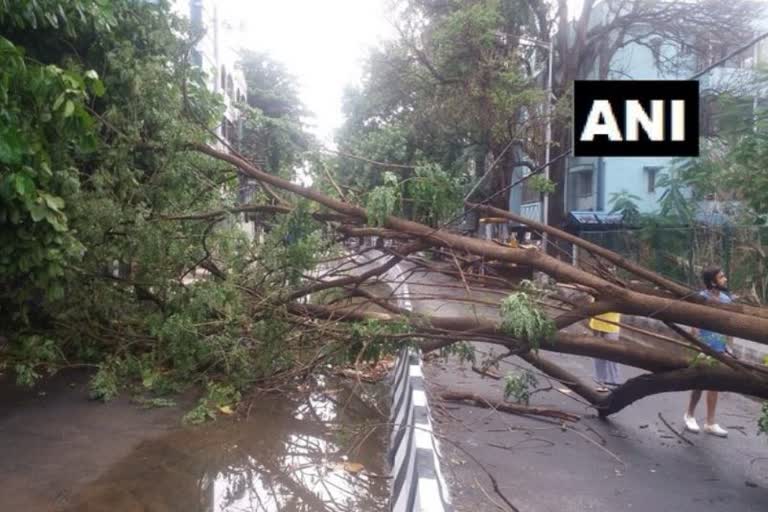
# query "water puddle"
(316, 451)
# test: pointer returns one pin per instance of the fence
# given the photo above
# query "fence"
(417, 482)
(681, 253)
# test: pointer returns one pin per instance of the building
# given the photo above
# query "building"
(592, 182)
(216, 53)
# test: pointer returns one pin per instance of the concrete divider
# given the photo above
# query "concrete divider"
(414, 452)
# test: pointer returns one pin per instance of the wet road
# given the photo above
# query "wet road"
(630, 462)
(313, 451)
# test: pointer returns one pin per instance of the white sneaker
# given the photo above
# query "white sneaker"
(691, 424)
(715, 430)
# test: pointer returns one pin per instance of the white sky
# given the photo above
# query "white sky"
(322, 42)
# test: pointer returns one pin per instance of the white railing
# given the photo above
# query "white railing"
(531, 211)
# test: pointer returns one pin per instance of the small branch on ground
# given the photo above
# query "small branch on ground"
(678, 434)
(456, 396)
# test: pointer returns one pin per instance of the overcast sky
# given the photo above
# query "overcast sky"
(323, 43)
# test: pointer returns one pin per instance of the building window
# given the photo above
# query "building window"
(651, 174)
(581, 188)
(582, 182)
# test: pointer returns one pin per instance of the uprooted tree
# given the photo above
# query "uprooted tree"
(647, 295)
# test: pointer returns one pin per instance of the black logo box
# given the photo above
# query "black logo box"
(617, 92)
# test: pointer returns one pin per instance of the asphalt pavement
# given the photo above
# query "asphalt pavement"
(632, 461)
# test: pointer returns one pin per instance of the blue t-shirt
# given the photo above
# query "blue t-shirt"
(715, 340)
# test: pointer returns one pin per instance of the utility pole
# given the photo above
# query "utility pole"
(549, 46)
(548, 143)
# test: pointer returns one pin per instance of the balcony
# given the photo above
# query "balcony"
(531, 211)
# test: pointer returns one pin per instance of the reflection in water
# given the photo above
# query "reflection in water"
(323, 451)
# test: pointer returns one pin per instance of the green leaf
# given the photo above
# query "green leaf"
(37, 212)
(23, 185)
(92, 74)
(97, 87)
(56, 220)
(11, 148)
(53, 202)
(69, 108)
(59, 101)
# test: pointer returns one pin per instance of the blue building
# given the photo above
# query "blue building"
(592, 182)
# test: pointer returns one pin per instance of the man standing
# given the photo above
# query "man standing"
(716, 289)
(606, 372)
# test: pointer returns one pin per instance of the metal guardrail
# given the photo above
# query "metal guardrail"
(414, 455)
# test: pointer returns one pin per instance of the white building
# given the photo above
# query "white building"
(216, 53)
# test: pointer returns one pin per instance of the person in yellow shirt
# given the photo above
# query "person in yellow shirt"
(606, 372)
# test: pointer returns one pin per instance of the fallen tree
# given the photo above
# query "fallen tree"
(671, 366)
(140, 270)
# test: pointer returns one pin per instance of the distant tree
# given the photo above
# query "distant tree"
(274, 133)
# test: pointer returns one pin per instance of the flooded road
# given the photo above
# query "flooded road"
(319, 450)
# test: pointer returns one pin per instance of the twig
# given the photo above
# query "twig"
(606, 450)
(492, 478)
(680, 436)
(505, 447)
(488, 495)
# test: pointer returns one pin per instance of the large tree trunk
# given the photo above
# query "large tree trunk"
(670, 368)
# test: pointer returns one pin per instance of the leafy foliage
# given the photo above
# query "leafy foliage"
(383, 200)
(293, 244)
(219, 398)
(273, 134)
(518, 386)
(463, 350)
(541, 184)
(45, 126)
(446, 92)
(436, 195)
(371, 340)
(625, 203)
(430, 196)
(762, 422)
(703, 360)
(98, 106)
(674, 203)
(523, 319)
